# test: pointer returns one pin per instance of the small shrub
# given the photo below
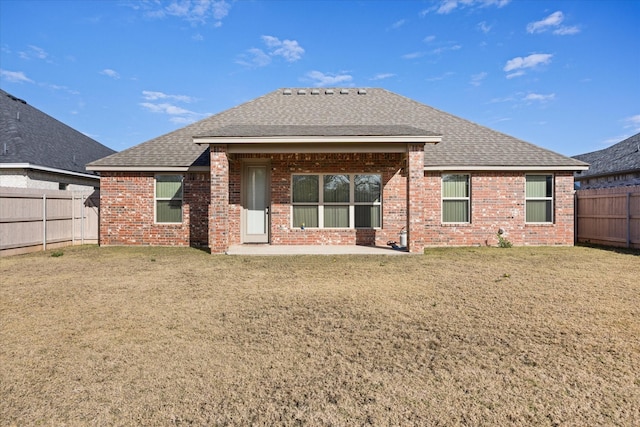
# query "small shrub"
(503, 242)
(56, 254)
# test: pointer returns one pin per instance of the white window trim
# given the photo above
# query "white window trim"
(156, 198)
(442, 198)
(552, 198)
(321, 204)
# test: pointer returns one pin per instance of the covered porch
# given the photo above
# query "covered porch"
(255, 171)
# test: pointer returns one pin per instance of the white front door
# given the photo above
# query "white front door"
(255, 206)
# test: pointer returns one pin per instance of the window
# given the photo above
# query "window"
(455, 198)
(367, 196)
(539, 198)
(336, 196)
(336, 201)
(169, 198)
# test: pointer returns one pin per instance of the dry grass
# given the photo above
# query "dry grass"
(157, 336)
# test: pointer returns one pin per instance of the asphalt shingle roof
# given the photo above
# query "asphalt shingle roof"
(27, 135)
(621, 157)
(326, 111)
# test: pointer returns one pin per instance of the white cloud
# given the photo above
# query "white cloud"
(178, 115)
(504, 99)
(440, 77)
(220, 9)
(632, 122)
(328, 79)
(15, 76)
(153, 96)
(519, 64)
(290, 50)
(413, 55)
(271, 41)
(166, 108)
(257, 58)
(429, 39)
(484, 27)
(382, 76)
(440, 50)
(552, 21)
(447, 6)
(566, 31)
(62, 88)
(539, 97)
(398, 24)
(516, 74)
(110, 73)
(476, 79)
(34, 52)
(444, 7)
(194, 11)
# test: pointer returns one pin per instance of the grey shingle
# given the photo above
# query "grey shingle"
(27, 135)
(316, 130)
(619, 158)
(463, 143)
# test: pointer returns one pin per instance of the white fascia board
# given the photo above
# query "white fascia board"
(317, 148)
(504, 168)
(316, 139)
(47, 169)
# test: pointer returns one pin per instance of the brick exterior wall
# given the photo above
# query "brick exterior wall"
(219, 207)
(127, 209)
(497, 201)
(388, 165)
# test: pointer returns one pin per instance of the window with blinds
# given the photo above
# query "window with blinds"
(455, 198)
(168, 198)
(337, 201)
(539, 198)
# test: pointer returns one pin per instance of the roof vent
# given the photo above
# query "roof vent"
(329, 91)
(344, 91)
(362, 91)
(315, 91)
(287, 92)
(302, 91)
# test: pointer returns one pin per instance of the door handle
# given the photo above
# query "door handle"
(266, 210)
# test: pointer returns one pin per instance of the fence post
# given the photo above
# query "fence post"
(82, 218)
(73, 218)
(575, 217)
(44, 222)
(629, 220)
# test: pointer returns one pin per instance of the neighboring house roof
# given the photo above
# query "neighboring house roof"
(622, 157)
(350, 112)
(32, 139)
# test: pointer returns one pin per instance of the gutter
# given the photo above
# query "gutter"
(9, 166)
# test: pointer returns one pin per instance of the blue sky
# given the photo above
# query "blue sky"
(564, 75)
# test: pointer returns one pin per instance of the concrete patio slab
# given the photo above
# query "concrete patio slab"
(265, 249)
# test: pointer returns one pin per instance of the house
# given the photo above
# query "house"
(615, 166)
(335, 167)
(38, 151)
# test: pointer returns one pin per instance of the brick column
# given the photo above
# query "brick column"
(415, 198)
(219, 206)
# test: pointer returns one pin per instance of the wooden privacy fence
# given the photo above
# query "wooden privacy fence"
(608, 216)
(32, 220)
